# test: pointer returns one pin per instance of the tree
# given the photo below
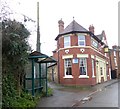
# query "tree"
(14, 52)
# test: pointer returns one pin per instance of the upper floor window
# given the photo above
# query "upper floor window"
(94, 43)
(81, 40)
(68, 67)
(66, 41)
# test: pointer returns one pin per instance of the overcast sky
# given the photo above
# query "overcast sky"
(103, 14)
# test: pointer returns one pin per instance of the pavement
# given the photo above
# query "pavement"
(70, 97)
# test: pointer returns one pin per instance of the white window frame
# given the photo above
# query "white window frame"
(68, 64)
(93, 68)
(115, 60)
(94, 43)
(85, 65)
(81, 40)
(114, 52)
(66, 41)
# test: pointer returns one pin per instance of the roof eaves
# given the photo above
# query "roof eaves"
(72, 32)
(96, 38)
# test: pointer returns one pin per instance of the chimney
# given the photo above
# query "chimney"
(61, 26)
(91, 28)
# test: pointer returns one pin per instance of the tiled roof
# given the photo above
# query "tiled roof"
(73, 27)
(100, 36)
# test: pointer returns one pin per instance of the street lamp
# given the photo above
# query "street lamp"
(107, 50)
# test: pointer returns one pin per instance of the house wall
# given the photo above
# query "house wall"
(115, 68)
(74, 50)
(53, 73)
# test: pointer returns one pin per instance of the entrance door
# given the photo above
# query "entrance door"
(98, 77)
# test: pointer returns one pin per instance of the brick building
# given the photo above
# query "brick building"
(80, 55)
(115, 61)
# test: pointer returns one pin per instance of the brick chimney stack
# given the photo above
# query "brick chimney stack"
(91, 28)
(61, 26)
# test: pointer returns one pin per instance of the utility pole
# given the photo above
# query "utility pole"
(38, 45)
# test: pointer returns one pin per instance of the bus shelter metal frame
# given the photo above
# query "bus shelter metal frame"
(37, 57)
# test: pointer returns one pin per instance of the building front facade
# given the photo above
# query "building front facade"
(80, 55)
(115, 61)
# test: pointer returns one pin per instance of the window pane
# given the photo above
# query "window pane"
(81, 43)
(83, 66)
(81, 37)
(81, 40)
(68, 71)
(94, 43)
(66, 41)
(68, 67)
(82, 71)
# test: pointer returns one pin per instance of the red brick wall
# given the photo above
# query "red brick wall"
(75, 67)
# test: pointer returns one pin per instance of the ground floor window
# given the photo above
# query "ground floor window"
(83, 66)
(68, 66)
(93, 68)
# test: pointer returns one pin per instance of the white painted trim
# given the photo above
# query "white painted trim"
(82, 34)
(100, 59)
(92, 56)
(67, 56)
(82, 55)
(68, 76)
(84, 47)
(83, 76)
(93, 76)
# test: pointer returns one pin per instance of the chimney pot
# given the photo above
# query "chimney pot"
(91, 28)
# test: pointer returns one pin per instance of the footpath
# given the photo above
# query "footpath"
(69, 97)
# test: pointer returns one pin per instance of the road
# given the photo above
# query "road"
(108, 97)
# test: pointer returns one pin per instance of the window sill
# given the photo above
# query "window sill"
(83, 76)
(68, 76)
(93, 76)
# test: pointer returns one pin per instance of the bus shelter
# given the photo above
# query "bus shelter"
(38, 64)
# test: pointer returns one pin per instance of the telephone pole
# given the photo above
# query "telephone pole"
(38, 45)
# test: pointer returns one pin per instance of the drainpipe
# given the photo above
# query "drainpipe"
(58, 64)
(110, 63)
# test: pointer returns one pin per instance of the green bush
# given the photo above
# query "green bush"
(49, 93)
(24, 101)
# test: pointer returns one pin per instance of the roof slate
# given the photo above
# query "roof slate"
(73, 27)
(100, 36)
